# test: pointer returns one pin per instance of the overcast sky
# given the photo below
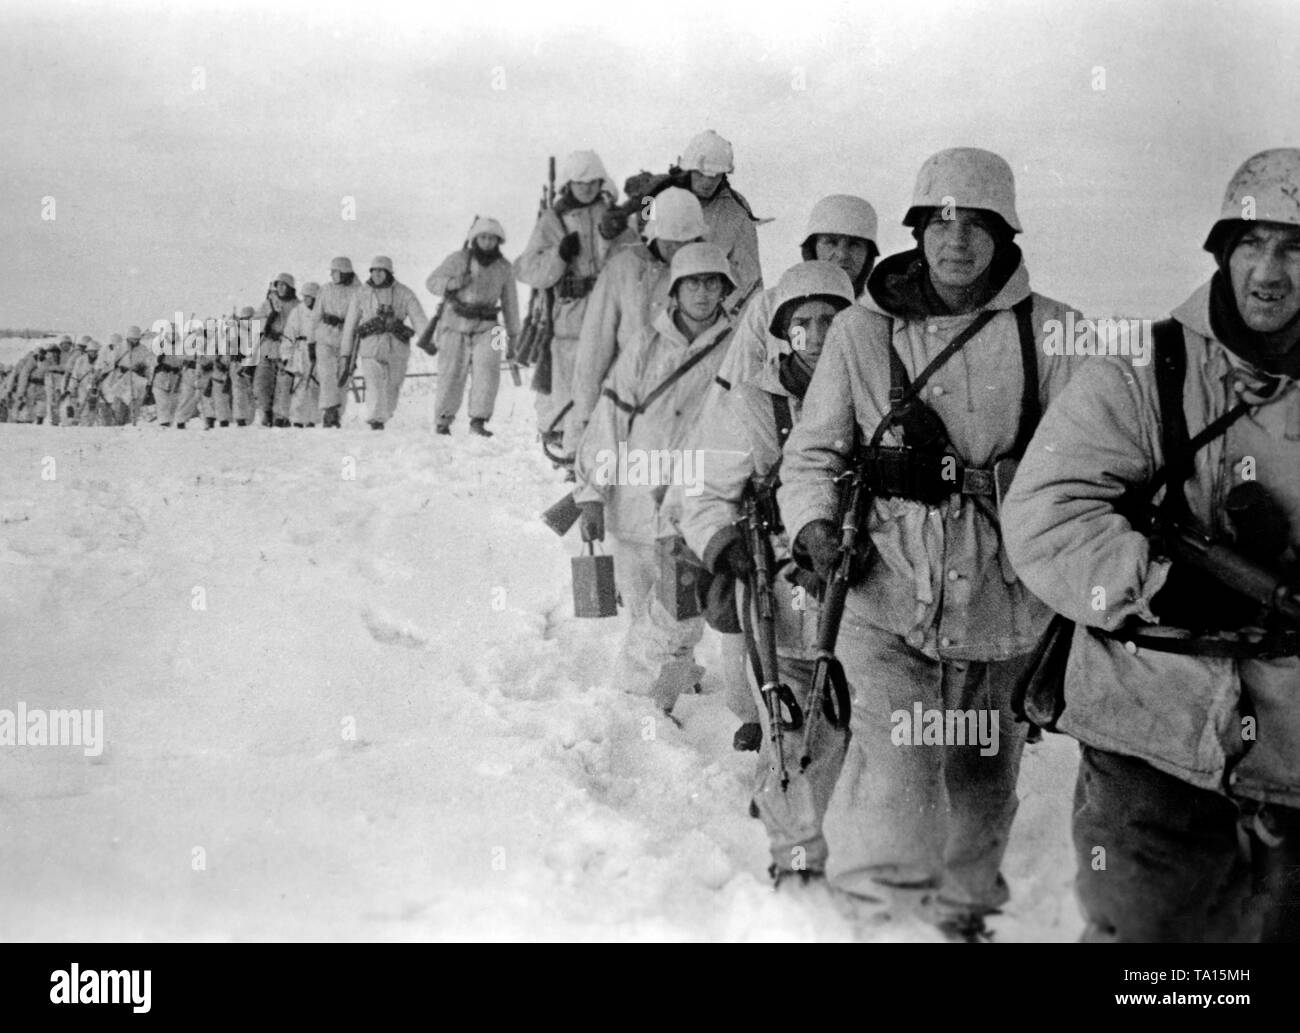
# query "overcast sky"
(194, 151)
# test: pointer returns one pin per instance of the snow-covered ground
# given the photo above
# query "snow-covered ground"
(344, 697)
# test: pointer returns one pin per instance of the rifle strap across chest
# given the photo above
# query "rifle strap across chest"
(668, 381)
(1179, 449)
(903, 390)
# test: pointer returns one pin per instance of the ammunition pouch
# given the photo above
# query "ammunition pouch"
(329, 320)
(923, 476)
(573, 287)
(385, 325)
(487, 312)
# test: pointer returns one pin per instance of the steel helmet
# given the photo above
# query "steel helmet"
(965, 177)
(310, 289)
(674, 214)
(341, 265)
(65, 339)
(92, 345)
(286, 279)
(699, 260)
(114, 339)
(582, 167)
(842, 214)
(382, 262)
(808, 280)
(133, 333)
(708, 153)
(246, 312)
(1265, 189)
(483, 224)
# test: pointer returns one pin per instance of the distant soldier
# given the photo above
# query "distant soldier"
(54, 372)
(167, 370)
(377, 321)
(125, 385)
(195, 345)
(298, 356)
(568, 248)
(326, 330)
(280, 302)
(243, 370)
(706, 163)
(477, 284)
(652, 399)
(630, 292)
(216, 374)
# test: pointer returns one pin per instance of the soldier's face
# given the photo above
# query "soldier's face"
(585, 192)
(958, 250)
(849, 253)
(1265, 272)
(809, 324)
(380, 276)
(703, 186)
(282, 289)
(700, 296)
(487, 242)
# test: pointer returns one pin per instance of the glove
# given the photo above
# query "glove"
(570, 246)
(735, 560)
(612, 223)
(817, 548)
(806, 580)
(1193, 599)
(591, 522)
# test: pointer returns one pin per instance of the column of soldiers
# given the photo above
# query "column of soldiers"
(1075, 537)
(899, 450)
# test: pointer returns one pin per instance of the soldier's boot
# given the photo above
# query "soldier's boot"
(330, 417)
(225, 423)
(376, 424)
(476, 426)
(239, 423)
(281, 422)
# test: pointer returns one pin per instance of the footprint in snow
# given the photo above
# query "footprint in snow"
(391, 631)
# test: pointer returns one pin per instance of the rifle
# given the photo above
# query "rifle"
(1230, 567)
(535, 338)
(828, 695)
(425, 341)
(760, 522)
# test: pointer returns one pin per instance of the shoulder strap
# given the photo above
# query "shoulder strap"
(1031, 407)
(907, 392)
(680, 372)
(1179, 450)
(784, 419)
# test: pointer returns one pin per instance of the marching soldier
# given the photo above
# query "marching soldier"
(376, 319)
(841, 230)
(568, 248)
(477, 284)
(280, 302)
(707, 162)
(326, 330)
(243, 370)
(942, 385)
(300, 361)
(1181, 689)
(652, 400)
(630, 292)
(127, 380)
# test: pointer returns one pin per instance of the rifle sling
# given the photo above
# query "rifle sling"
(667, 382)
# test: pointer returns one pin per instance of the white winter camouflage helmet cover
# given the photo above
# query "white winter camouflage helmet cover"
(708, 153)
(310, 289)
(809, 280)
(965, 177)
(484, 224)
(246, 312)
(582, 167)
(1265, 189)
(382, 262)
(134, 333)
(675, 214)
(844, 215)
(700, 260)
(286, 279)
(341, 264)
